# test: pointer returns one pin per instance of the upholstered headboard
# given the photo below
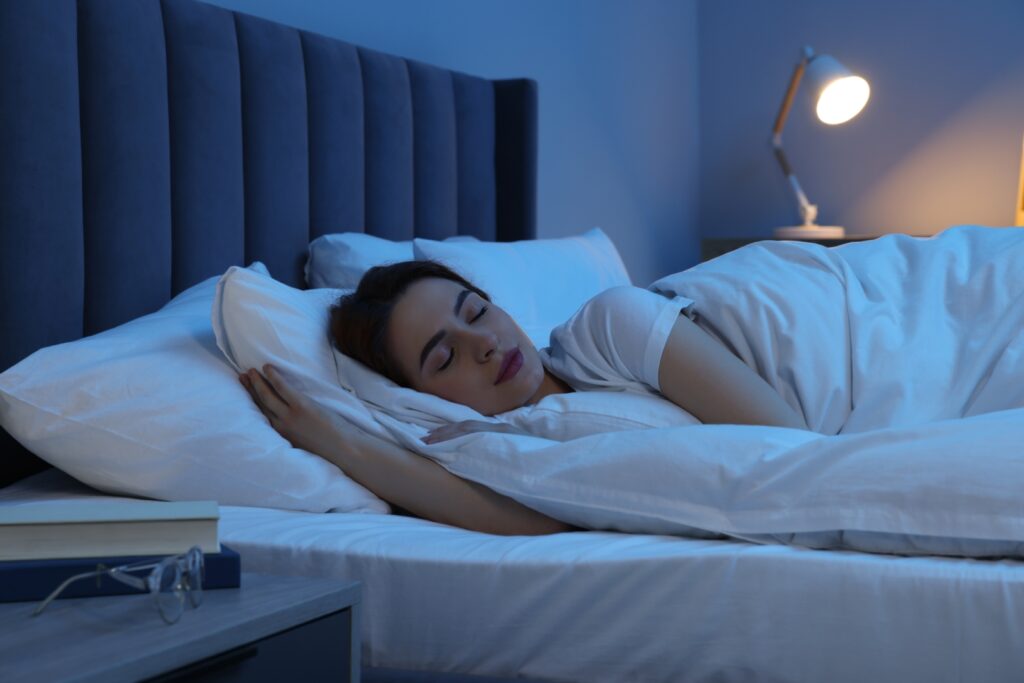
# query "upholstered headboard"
(147, 145)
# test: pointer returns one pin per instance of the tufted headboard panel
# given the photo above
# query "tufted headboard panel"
(147, 145)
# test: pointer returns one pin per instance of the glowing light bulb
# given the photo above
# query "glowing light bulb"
(842, 99)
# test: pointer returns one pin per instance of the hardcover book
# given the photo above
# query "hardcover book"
(29, 580)
(64, 529)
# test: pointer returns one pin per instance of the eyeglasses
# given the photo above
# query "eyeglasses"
(169, 581)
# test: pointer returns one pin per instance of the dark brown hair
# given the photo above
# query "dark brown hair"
(359, 321)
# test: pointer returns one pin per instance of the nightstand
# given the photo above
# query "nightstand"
(713, 247)
(272, 628)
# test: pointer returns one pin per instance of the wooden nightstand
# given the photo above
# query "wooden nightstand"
(270, 629)
(713, 247)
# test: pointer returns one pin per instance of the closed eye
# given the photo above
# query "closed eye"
(451, 354)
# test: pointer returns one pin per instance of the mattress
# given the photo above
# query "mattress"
(597, 606)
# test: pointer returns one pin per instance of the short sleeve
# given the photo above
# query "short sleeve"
(615, 340)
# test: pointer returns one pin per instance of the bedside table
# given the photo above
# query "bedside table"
(713, 247)
(272, 628)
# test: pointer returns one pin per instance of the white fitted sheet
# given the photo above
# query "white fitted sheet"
(596, 606)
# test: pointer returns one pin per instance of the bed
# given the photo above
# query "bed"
(149, 145)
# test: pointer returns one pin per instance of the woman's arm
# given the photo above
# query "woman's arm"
(702, 377)
(395, 474)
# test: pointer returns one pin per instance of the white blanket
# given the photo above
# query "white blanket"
(885, 346)
(905, 355)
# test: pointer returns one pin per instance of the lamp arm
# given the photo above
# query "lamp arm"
(808, 211)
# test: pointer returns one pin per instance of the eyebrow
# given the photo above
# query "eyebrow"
(435, 340)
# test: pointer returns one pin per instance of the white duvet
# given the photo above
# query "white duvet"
(905, 355)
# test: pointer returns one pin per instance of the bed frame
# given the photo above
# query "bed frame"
(148, 145)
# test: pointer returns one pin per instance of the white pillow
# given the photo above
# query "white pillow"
(540, 283)
(151, 409)
(258, 320)
(340, 259)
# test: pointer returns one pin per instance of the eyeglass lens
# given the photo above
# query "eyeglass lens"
(195, 573)
(166, 587)
(175, 578)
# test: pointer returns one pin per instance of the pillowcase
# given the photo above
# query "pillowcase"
(340, 259)
(151, 409)
(540, 283)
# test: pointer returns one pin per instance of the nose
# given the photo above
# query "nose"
(483, 344)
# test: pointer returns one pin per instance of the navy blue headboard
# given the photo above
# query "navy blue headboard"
(150, 144)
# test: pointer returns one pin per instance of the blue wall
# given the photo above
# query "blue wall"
(939, 143)
(618, 114)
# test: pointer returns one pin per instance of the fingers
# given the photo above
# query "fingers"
(455, 430)
(264, 394)
(279, 384)
(444, 433)
(247, 383)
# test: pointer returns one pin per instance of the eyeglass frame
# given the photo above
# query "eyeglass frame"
(184, 565)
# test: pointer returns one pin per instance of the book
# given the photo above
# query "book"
(27, 580)
(65, 529)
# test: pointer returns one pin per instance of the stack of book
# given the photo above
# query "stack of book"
(44, 542)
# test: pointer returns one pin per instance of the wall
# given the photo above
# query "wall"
(618, 93)
(939, 143)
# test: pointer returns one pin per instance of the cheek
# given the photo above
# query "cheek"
(537, 370)
(454, 386)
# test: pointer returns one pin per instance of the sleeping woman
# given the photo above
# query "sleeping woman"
(425, 327)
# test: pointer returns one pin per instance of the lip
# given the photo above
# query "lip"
(511, 363)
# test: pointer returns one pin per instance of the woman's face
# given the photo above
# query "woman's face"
(450, 342)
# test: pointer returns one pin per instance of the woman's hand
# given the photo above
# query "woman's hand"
(457, 429)
(295, 416)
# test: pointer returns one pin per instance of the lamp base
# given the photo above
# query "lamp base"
(810, 232)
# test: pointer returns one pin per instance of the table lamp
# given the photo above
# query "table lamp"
(840, 96)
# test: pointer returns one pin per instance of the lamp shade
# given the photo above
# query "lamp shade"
(839, 94)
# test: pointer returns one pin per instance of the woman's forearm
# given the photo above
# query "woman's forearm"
(428, 490)
(395, 474)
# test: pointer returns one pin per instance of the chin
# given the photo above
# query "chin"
(532, 377)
